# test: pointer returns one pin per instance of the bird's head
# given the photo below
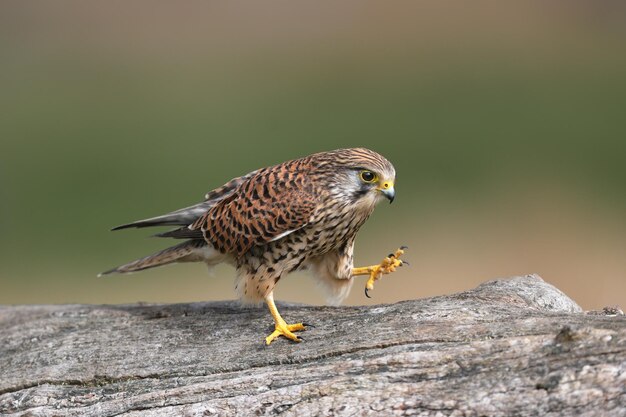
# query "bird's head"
(375, 185)
(364, 176)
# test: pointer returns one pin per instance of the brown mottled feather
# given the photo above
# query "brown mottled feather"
(228, 188)
(270, 204)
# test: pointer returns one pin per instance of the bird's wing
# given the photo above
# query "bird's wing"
(268, 206)
(228, 188)
(188, 215)
(179, 217)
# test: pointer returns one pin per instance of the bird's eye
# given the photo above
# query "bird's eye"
(368, 176)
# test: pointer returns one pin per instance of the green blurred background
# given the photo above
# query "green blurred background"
(506, 123)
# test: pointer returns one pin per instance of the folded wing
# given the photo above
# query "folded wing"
(188, 215)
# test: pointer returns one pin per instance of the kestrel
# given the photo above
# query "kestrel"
(301, 214)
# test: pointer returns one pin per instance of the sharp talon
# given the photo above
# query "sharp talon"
(300, 338)
(391, 255)
(404, 262)
(307, 325)
(403, 247)
(367, 294)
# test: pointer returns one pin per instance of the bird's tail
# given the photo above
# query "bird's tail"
(188, 251)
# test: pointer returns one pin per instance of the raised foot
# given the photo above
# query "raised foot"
(387, 266)
(284, 329)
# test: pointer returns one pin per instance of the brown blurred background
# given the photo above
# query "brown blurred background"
(506, 124)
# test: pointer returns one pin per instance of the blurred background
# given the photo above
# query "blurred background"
(506, 122)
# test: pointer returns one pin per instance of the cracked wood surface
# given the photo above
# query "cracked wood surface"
(509, 347)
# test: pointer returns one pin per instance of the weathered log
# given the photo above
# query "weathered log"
(509, 347)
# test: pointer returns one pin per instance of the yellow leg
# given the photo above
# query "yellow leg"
(282, 328)
(388, 265)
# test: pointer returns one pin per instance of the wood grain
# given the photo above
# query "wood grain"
(509, 347)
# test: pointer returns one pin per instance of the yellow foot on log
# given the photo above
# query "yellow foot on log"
(284, 329)
(281, 327)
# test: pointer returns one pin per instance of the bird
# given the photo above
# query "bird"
(302, 214)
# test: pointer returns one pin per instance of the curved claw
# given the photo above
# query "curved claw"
(387, 266)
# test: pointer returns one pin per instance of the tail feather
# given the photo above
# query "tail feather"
(189, 251)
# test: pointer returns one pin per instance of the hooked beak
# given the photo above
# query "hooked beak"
(388, 191)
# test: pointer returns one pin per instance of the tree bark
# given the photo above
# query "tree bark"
(509, 347)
